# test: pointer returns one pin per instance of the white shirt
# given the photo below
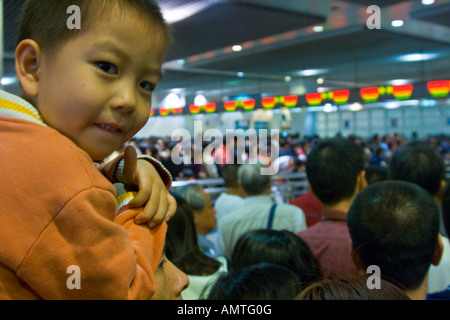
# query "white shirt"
(203, 284)
(254, 214)
(439, 276)
(226, 203)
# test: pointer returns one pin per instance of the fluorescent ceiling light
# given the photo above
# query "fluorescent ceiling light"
(177, 12)
(7, 81)
(311, 72)
(399, 82)
(411, 57)
(397, 23)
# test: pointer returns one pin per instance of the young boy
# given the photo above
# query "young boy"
(85, 93)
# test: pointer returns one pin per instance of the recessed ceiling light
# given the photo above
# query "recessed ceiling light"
(397, 23)
(318, 28)
(237, 48)
(427, 2)
(287, 78)
(240, 74)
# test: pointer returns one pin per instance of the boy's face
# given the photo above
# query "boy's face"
(96, 88)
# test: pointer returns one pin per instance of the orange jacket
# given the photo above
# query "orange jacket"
(58, 211)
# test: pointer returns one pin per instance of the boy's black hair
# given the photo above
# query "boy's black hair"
(45, 21)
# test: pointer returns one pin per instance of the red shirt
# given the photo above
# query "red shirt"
(311, 206)
(330, 242)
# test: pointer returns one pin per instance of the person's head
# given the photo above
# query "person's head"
(335, 170)
(202, 206)
(93, 84)
(395, 225)
(230, 176)
(419, 163)
(276, 246)
(376, 173)
(170, 281)
(182, 245)
(253, 182)
(264, 281)
(351, 288)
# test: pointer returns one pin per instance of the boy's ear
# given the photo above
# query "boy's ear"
(28, 59)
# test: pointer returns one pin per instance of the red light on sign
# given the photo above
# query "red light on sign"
(210, 107)
(268, 103)
(290, 101)
(314, 99)
(402, 92)
(163, 111)
(370, 94)
(439, 89)
(248, 104)
(230, 105)
(341, 96)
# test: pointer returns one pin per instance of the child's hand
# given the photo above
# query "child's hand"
(159, 203)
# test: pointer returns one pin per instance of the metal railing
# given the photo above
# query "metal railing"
(284, 187)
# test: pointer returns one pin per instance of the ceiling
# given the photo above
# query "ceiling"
(278, 39)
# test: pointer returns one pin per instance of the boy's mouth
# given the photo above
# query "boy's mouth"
(111, 127)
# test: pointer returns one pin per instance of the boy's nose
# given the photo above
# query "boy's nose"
(125, 100)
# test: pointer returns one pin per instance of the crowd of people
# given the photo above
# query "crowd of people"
(289, 152)
(389, 216)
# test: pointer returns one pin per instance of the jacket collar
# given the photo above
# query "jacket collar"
(15, 107)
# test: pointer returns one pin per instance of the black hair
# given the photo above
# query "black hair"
(395, 225)
(276, 246)
(182, 245)
(418, 163)
(45, 21)
(332, 168)
(264, 281)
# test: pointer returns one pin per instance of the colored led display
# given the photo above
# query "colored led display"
(439, 89)
(288, 101)
(314, 99)
(209, 108)
(402, 92)
(247, 105)
(370, 94)
(341, 96)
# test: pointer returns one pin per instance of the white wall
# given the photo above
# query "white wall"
(365, 123)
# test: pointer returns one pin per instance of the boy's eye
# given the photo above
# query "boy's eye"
(147, 86)
(107, 67)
